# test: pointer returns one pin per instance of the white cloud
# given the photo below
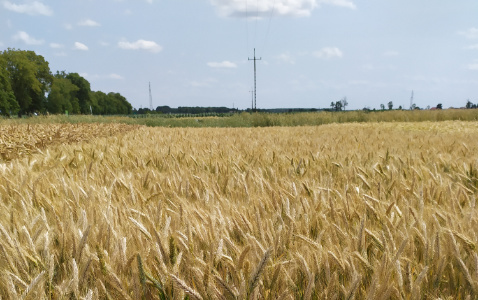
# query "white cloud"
(56, 45)
(473, 67)
(470, 33)
(472, 47)
(329, 52)
(141, 45)
(89, 23)
(391, 53)
(341, 3)
(33, 8)
(264, 8)
(81, 46)
(267, 8)
(26, 38)
(223, 64)
(286, 58)
(115, 76)
(208, 82)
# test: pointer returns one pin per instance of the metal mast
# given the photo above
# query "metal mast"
(255, 87)
(411, 101)
(150, 98)
(252, 95)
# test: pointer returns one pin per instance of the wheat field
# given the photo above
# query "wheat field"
(339, 211)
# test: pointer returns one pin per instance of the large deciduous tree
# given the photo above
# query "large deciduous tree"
(30, 79)
(8, 103)
(83, 92)
(62, 96)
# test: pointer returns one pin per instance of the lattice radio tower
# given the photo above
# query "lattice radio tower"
(150, 98)
(411, 101)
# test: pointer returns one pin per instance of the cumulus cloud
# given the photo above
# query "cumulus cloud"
(267, 8)
(26, 38)
(472, 47)
(140, 45)
(473, 67)
(56, 45)
(286, 58)
(115, 76)
(32, 8)
(223, 64)
(207, 82)
(80, 46)
(391, 53)
(341, 3)
(470, 33)
(264, 8)
(89, 23)
(329, 52)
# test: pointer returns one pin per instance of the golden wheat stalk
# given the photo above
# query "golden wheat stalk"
(187, 289)
(254, 280)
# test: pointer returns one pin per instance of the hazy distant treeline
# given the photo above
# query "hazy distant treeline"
(28, 86)
(186, 110)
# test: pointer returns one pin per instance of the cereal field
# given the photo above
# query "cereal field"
(339, 211)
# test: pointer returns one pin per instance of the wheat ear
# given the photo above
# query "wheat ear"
(33, 284)
(188, 290)
(258, 272)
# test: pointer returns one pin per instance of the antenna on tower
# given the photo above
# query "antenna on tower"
(411, 101)
(150, 98)
(255, 87)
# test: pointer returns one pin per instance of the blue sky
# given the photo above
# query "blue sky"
(195, 52)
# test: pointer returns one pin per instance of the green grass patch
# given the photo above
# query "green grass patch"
(262, 119)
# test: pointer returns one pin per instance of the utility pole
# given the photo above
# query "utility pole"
(150, 98)
(255, 87)
(252, 95)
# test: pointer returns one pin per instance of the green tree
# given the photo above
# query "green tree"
(439, 106)
(62, 95)
(390, 105)
(100, 99)
(120, 104)
(8, 103)
(469, 104)
(338, 105)
(30, 78)
(83, 93)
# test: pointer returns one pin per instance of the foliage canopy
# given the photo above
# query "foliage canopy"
(28, 86)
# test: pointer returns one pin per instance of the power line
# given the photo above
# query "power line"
(268, 25)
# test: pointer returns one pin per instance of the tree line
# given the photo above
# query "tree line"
(27, 86)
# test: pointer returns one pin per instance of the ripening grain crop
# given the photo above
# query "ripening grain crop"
(349, 211)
